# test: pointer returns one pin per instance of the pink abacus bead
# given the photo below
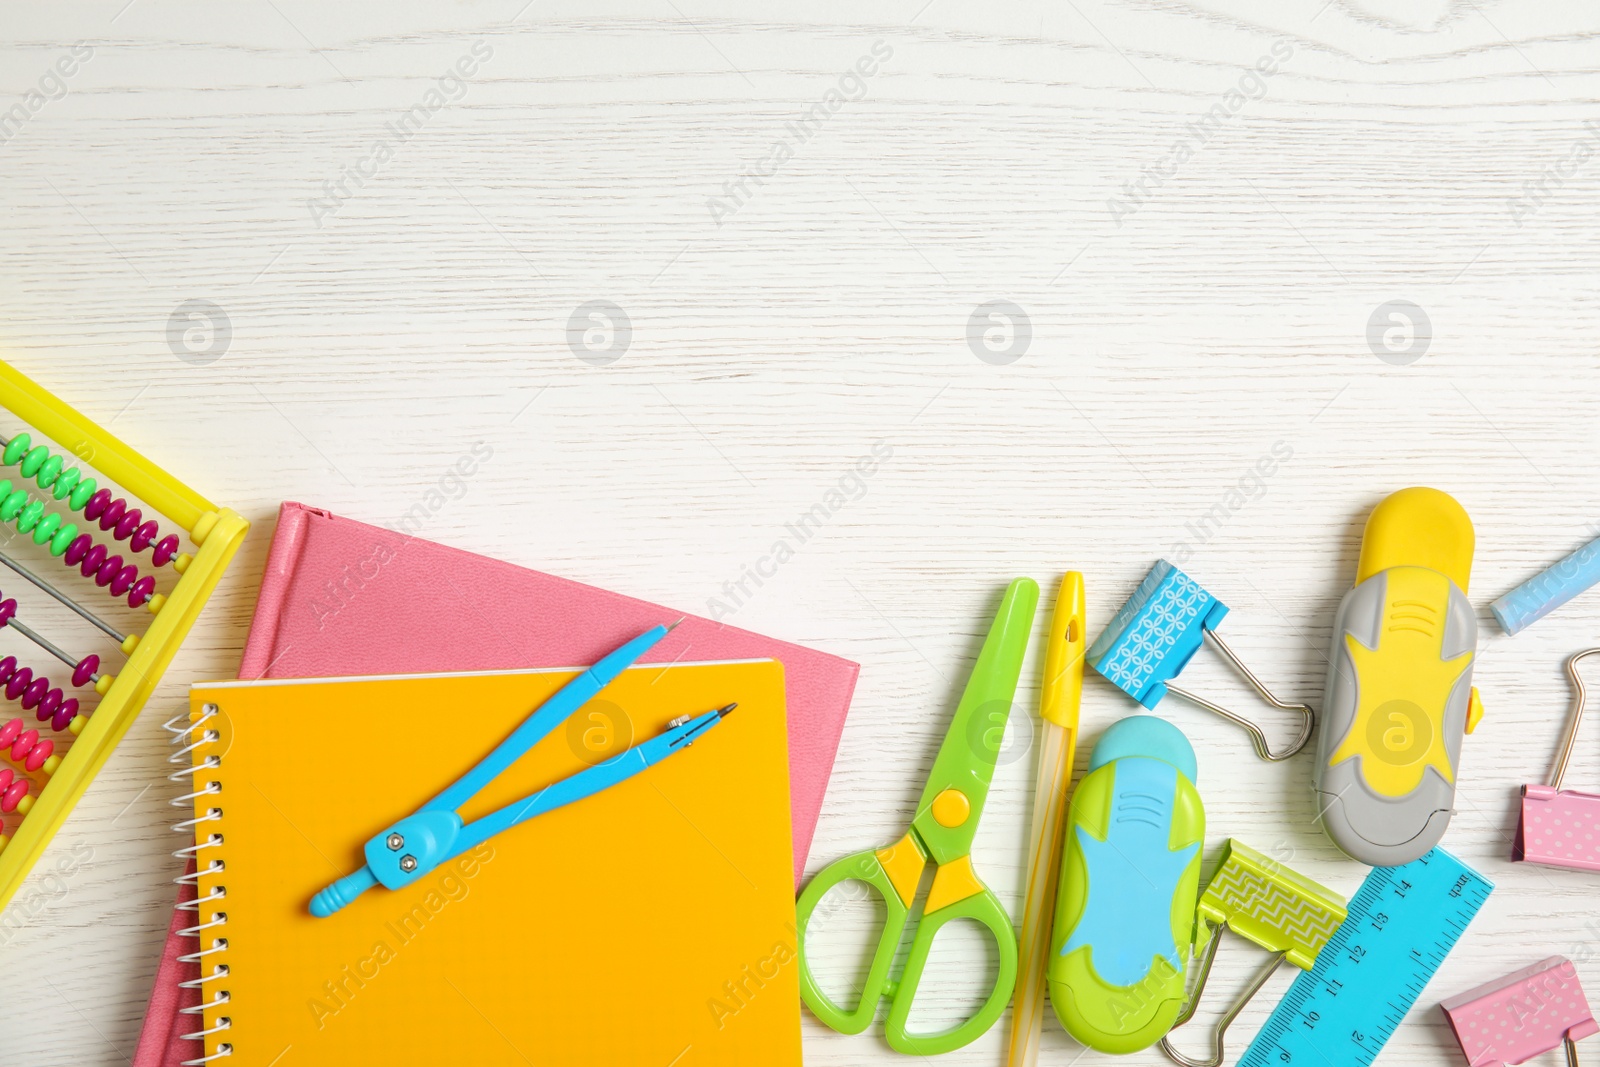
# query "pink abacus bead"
(128, 523)
(64, 714)
(24, 744)
(124, 580)
(113, 514)
(8, 611)
(143, 536)
(14, 792)
(35, 693)
(9, 732)
(77, 550)
(41, 752)
(141, 591)
(93, 561)
(96, 505)
(165, 550)
(85, 670)
(48, 705)
(19, 682)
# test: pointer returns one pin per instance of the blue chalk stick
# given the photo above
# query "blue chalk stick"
(1549, 589)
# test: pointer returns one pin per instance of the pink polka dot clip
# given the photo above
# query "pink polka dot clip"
(1515, 1018)
(1561, 827)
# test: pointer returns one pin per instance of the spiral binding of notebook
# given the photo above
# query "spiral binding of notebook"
(195, 732)
(53, 511)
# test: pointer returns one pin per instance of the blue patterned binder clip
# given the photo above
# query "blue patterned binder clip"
(1155, 634)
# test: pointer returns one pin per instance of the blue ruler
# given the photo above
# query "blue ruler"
(1402, 923)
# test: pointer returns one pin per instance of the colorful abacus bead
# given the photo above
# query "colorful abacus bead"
(13, 792)
(97, 562)
(20, 684)
(81, 494)
(141, 592)
(25, 747)
(55, 710)
(36, 462)
(166, 551)
(66, 716)
(15, 506)
(20, 679)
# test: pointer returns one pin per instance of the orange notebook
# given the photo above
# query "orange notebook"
(651, 924)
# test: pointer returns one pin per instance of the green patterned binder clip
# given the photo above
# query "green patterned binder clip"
(1265, 902)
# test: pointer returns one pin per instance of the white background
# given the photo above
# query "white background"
(1172, 347)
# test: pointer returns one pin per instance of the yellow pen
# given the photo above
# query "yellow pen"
(1058, 710)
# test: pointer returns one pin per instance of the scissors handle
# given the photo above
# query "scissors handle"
(865, 867)
(956, 894)
(982, 906)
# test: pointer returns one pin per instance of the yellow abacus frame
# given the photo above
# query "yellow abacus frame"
(216, 533)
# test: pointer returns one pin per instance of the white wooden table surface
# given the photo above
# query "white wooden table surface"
(1192, 251)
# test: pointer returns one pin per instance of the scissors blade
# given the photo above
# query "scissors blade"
(951, 804)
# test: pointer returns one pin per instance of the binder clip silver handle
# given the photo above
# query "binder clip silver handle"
(1257, 738)
(1218, 1054)
(1269, 905)
(1158, 630)
(1559, 771)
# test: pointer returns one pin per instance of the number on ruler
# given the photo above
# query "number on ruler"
(1402, 923)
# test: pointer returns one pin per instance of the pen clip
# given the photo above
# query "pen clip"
(1064, 655)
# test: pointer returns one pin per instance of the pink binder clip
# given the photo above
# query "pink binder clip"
(1522, 1015)
(1561, 827)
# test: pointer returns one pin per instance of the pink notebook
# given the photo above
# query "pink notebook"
(340, 597)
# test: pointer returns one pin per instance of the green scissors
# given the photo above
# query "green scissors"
(942, 831)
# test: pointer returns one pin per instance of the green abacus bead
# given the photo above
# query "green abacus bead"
(16, 448)
(66, 481)
(34, 460)
(46, 528)
(49, 472)
(81, 494)
(63, 538)
(12, 504)
(30, 516)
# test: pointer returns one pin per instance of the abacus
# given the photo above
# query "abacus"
(67, 519)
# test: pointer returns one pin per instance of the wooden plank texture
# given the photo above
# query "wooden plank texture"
(807, 213)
